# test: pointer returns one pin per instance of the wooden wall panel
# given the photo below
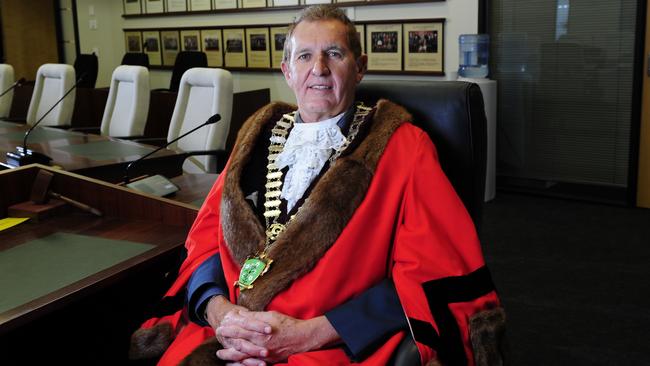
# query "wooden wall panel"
(29, 35)
(643, 183)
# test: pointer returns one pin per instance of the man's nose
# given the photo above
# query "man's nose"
(320, 67)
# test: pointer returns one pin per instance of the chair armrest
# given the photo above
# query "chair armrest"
(222, 157)
(92, 130)
(13, 119)
(130, 138)
(155, 141)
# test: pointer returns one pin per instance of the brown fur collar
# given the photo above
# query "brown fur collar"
(488, 336)
(321, 218)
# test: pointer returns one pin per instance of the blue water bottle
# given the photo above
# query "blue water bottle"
(474, 55)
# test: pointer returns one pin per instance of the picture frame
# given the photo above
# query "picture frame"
(154, 6)
(212, 46)
(285, 2)
(384, 47)
(133, 41)
(191, 40)
(151, 46)
(132, 6)
(361, 31)
(253, 3)
(258, 48)
(173, 6)
(314, 2)
(199, 5)
(170, 47)
(423, 46)
(278, 37)
(224, 4)
(234, 47)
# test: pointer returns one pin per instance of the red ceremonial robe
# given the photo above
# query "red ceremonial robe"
(384, 209)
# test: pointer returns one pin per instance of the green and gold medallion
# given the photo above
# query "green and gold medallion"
(252, 269)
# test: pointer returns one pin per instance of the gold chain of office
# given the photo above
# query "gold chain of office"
(259, 264)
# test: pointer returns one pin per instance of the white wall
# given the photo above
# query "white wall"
(108, 39)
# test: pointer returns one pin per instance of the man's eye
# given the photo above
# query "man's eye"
(334, 54)
(303, 57)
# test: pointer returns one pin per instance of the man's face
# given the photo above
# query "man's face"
(322, 70)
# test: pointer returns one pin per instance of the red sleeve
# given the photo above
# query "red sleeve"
(204, 236)
(439, 270)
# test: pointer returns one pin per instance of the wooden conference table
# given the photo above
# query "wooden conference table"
(74, 285)
(90, 155)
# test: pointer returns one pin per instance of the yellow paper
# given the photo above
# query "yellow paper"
(11, 221)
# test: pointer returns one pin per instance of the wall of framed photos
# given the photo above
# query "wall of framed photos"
(138, 8)
(415, 46)
(107, 36)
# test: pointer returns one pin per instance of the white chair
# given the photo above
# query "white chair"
(127, 106)
(52, 82)
(6, 80)
(203, 92)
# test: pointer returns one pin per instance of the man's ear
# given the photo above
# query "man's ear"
(285, 70)
(362, 67)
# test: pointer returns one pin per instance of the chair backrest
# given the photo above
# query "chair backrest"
(453, 115)
(52, 82)
(136, 59)
(186, 60)
(86, 65)
(127, 105)
(6, 80)
(203, 92)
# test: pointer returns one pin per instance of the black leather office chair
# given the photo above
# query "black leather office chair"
(86, 63)
(453, 115)
(135, 59)
(186, 60)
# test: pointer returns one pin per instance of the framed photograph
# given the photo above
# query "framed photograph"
(176, 5)
(151, 46)
(170, 47)
(133, 41)
(278, 37)
(224, 4)
(348, 1)
(257, 51)
(154, 6)
(253, 3)
(196, 5)
(384, 47)
(212, 46)
(191, 40)
(312, 2)
(361, 31)
(132, 6)
(234, 52)
(285, 2)
(423, 49)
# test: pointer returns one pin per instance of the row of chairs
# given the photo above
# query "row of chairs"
(185, 60)
(203, 92)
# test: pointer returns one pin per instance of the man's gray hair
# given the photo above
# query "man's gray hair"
(324, 12)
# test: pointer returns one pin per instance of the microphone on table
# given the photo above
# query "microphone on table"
(22, 155)
(157, 184)
(13, 86)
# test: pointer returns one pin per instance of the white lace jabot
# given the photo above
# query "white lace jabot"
(308, 147)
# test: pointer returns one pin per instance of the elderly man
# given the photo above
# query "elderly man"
(339, 230)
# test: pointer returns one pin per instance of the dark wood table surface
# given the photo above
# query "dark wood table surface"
(193, 187)
(89, 321)
(166, 162)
